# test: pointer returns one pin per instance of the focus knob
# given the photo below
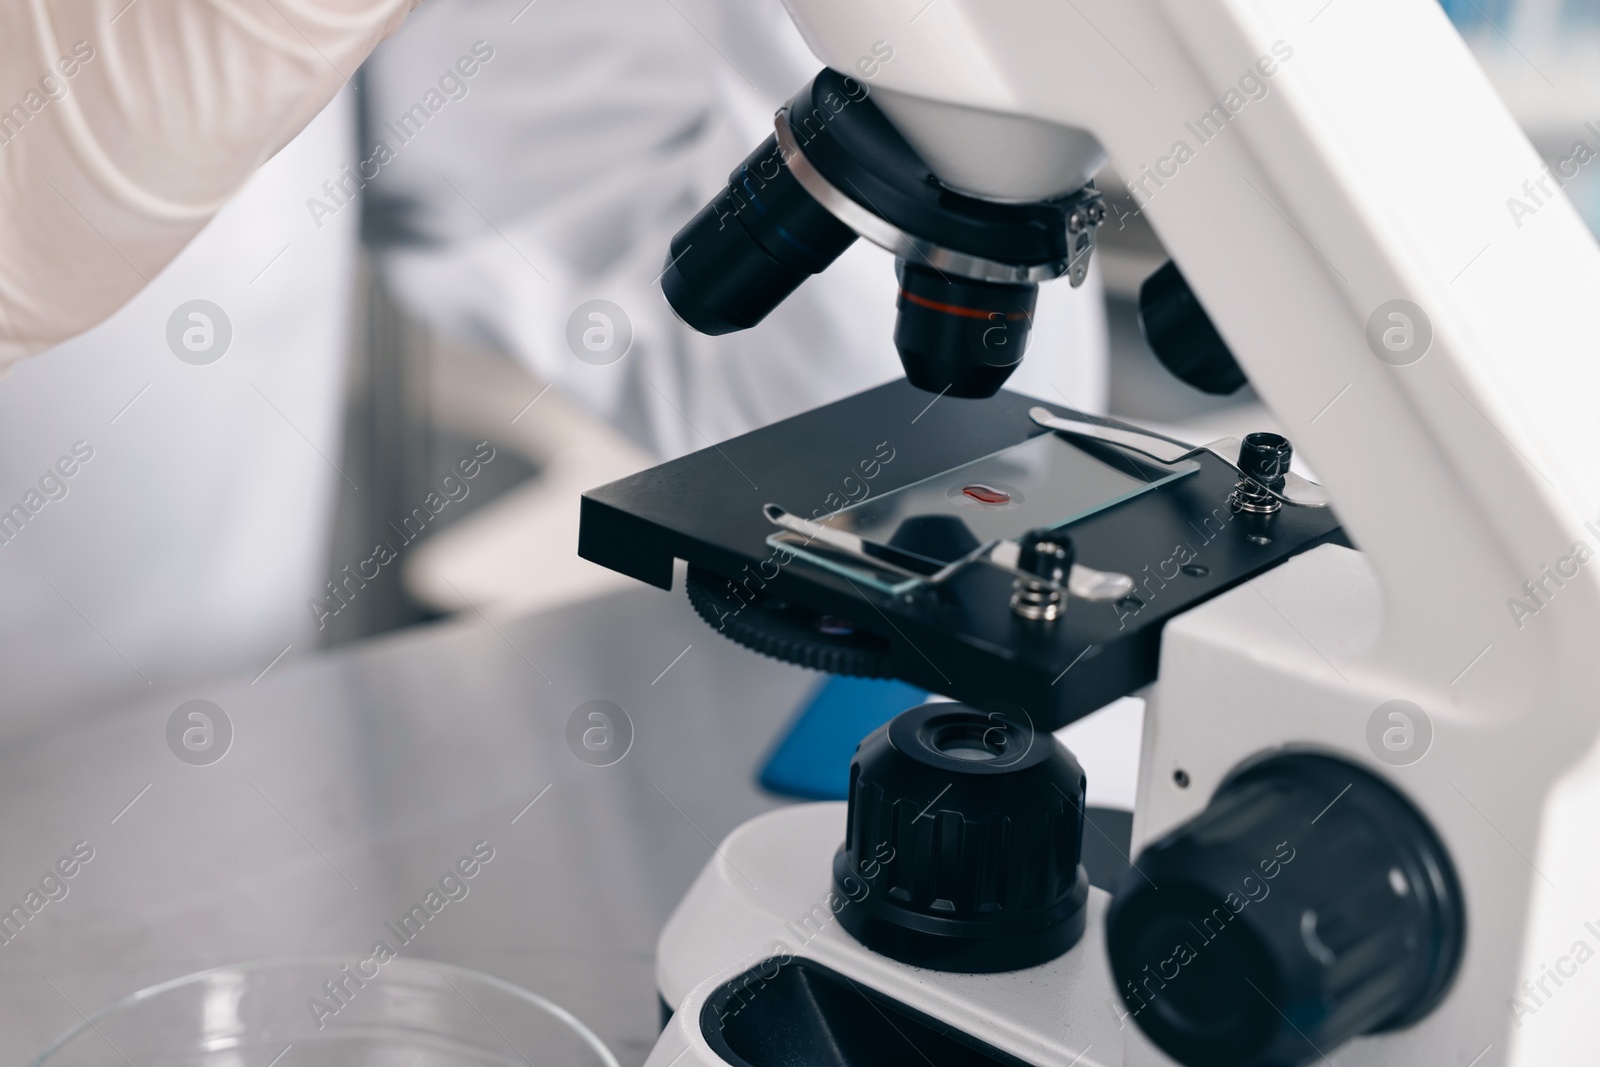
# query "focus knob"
(1308, 904)
(964, 842)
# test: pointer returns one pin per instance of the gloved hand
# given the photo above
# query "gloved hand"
(126, 124)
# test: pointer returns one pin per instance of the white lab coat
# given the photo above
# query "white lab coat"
(182, 552)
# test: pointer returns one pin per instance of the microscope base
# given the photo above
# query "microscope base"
(761, 922)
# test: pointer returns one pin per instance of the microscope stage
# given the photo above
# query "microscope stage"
(864, 466)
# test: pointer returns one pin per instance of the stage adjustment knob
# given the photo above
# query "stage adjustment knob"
(964, 843)
(1308, 904)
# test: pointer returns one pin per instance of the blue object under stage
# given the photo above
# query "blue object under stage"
(812, 760)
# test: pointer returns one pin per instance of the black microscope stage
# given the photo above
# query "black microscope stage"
(878, 465)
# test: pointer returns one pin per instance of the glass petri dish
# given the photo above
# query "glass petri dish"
(280, 1013)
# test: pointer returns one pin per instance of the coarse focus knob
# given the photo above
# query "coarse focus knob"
(1308, 903)
(964, 842)
(1183, 337)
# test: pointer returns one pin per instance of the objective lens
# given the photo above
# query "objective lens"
(960, 336)
(1183, 336)
(752, 246)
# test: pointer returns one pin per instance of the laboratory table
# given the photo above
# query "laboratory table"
(355, 778)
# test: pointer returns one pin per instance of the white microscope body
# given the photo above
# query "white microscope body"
(1306, 163)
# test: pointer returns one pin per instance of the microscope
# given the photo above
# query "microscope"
(1369, 770)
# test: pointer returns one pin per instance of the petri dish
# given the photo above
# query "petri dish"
(411, 1013)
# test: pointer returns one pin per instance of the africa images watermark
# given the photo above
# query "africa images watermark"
(1536, 193)
(49, 89)
(342, 987)
(806, 928)
(340, 191)
(52, 887)
(1183, 556)
(1536, 992)
(52, 486)
(806, 127)
(1539, 591)
(599, 732)
(199, 732)
(1253, 889)
(1253, 85)
(778, 558)
(452, 489)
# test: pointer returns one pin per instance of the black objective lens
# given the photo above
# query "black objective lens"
(1183, 336)
(960, 336)
(752, 246)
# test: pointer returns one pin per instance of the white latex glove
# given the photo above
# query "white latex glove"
(124, 126)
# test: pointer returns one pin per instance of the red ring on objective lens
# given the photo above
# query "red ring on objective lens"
(963, 312)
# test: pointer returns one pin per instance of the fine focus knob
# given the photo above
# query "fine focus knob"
(1308, 904)
(1183, 337)
(964, 842)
